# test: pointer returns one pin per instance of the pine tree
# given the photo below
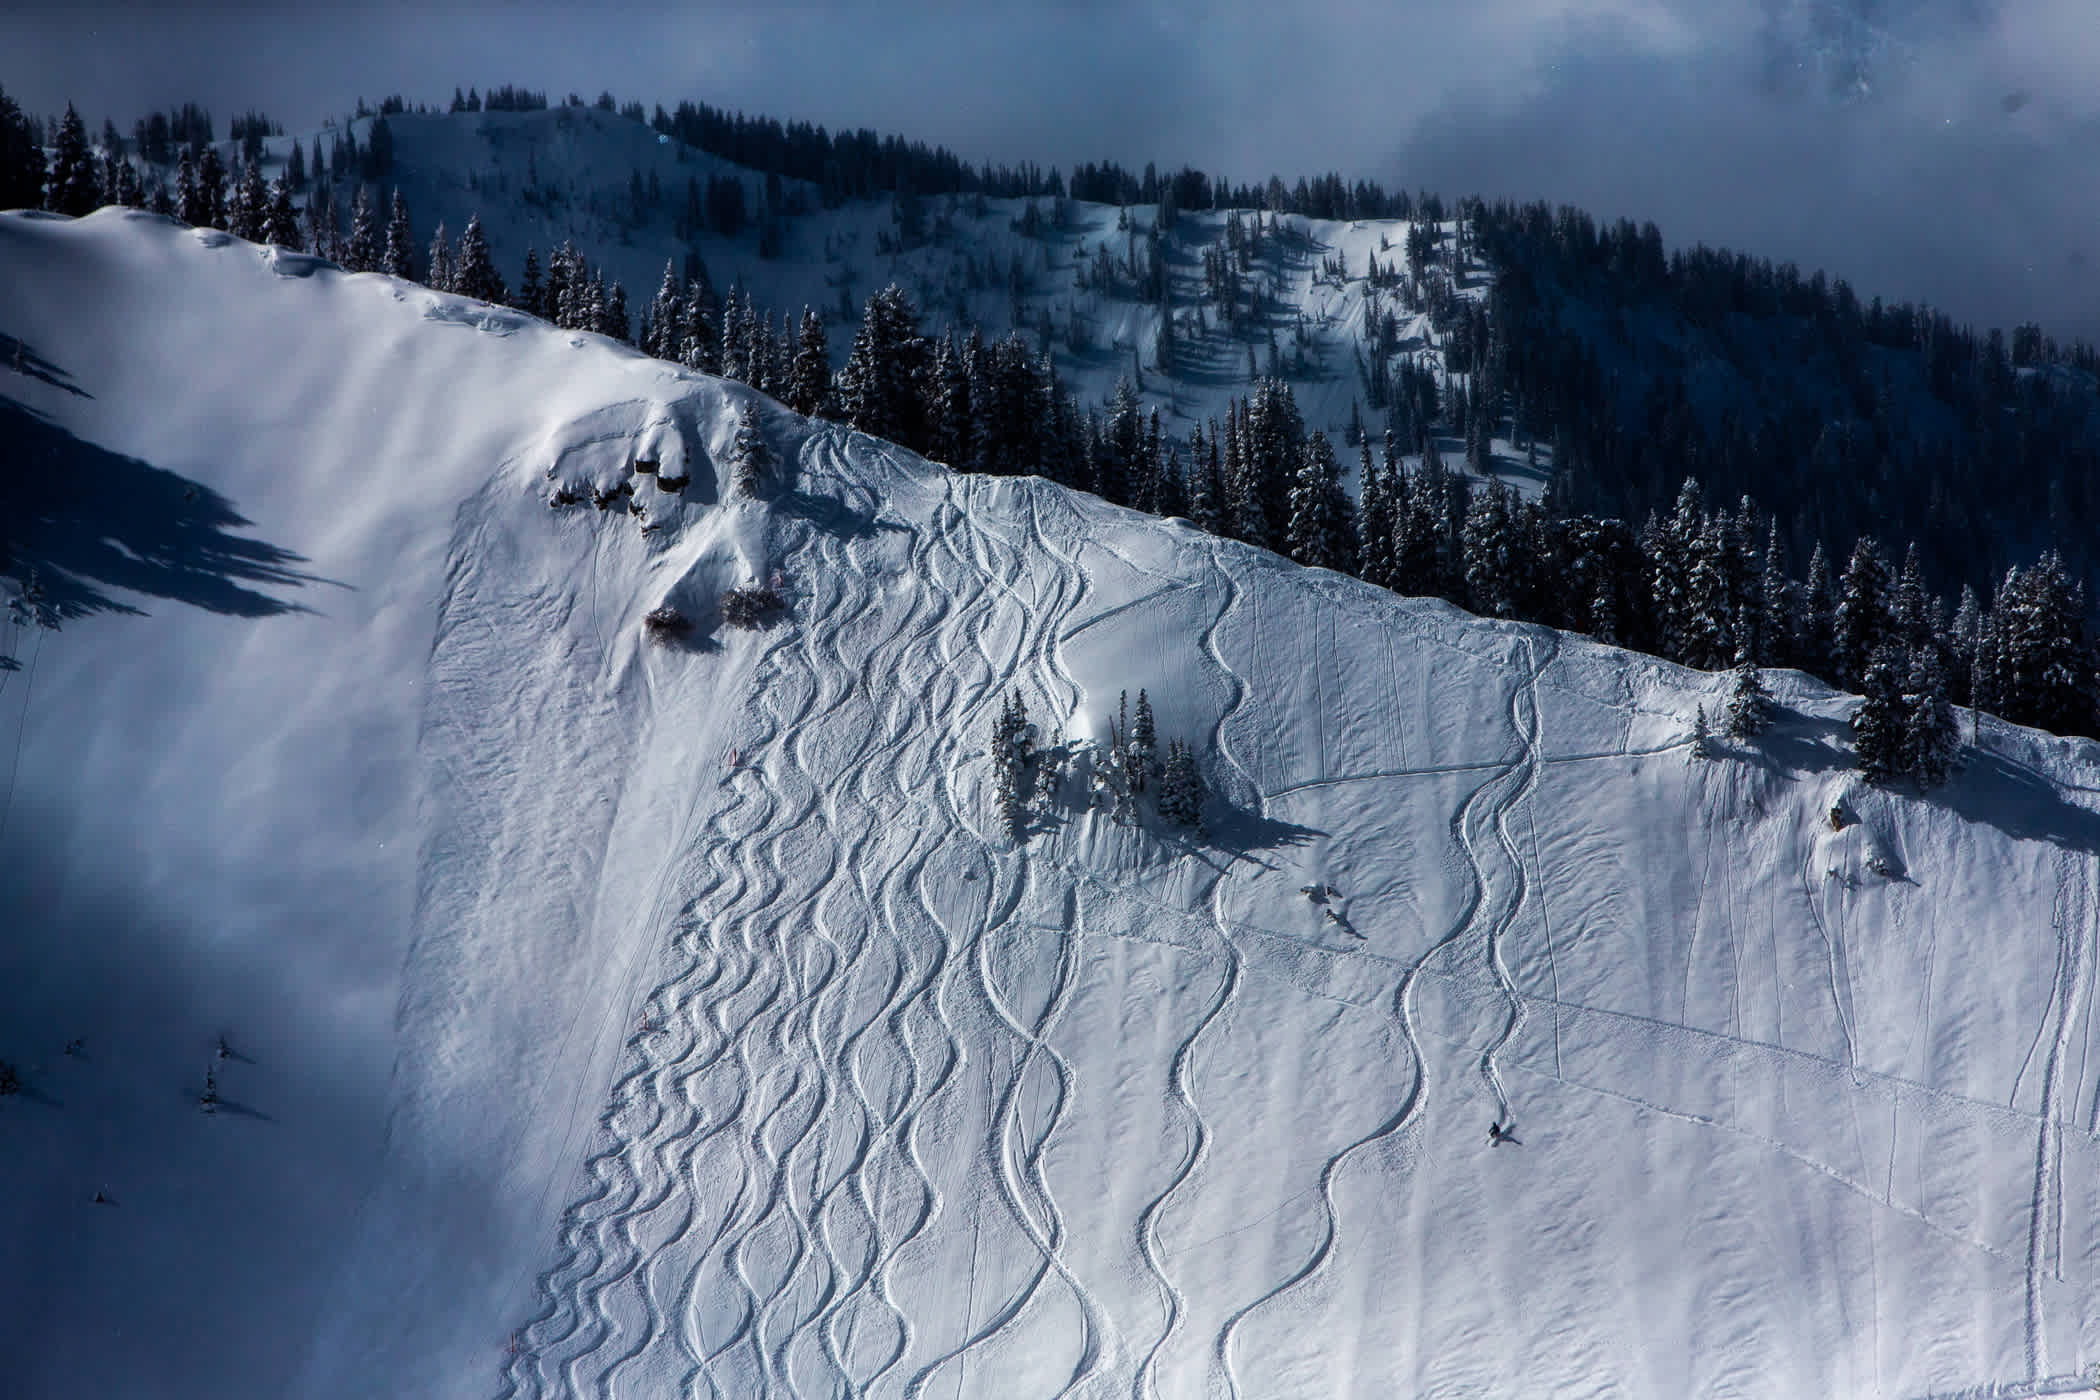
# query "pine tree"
(22, 169)
(1322, 528)
(280, 219)
(1813, 642)
(211, 189)
(73, 187)
(1496, 559)
(361, 254)
(1374, 548)
(660, 330)
(189, 196)
(1010, 761)
(1775, 598)
(532, 295)
(1861, 624)
(249, 206)
(1702, 735)
(749, 456)
(438, 275)
(700, 347)
(476, 275)
(1181, 788)
(2044, 662)
(1116, 474)
(1931, 735)
(878, 388)
(399, 259)
(809, 379)
(1143, 762)
(1171, 498)
(1878, 725)
(612, 320)
(1749, 705)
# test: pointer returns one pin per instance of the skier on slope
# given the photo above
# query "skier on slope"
(1497, 1134)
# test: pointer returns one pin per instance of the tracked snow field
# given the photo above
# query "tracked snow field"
(621, 1019)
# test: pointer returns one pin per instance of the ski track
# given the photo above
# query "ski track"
(764, 1181)
(1524, 769)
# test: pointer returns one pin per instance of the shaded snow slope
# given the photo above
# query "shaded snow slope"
(617, 1019)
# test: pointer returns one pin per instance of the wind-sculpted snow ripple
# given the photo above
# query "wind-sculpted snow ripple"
(768, 1179)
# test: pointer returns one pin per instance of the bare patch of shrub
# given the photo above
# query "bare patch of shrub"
(750, 607)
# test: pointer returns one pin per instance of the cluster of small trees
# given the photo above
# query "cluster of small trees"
(1123, 773)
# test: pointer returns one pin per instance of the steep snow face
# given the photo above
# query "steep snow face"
(618, 1018)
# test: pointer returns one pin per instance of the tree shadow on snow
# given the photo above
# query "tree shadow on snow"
(1993, 791)
(87, 520)
(17, 356)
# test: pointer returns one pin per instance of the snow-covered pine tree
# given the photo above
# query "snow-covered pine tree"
(1010, 757)
(1702, 735)
(1879, 750)
(1374, 548)
(476, 275)
(1143, 762)
(1494, 552)
(660, 322)
(1812, 638)
(1776, 625)
(1115, 474)
(749, 456)
(362, 252)
(211, 188)
(399, 257)
(1707, 624)
(280, 219)
(1931, 735)
(878, 388)
(1181, 788)
(439, 275)
(1749, 705)
(809, 377)
(700, 347)
(250, 204)
(1322, 527)
(2044, 660)
(189, 196)
(612, 317)
(1861, 624)
(73, 186)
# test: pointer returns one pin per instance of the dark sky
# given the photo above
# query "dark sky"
(1944, 150)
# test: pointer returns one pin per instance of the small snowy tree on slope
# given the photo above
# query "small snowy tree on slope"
(1749, 705)
(749, 456)
(476, 275)
(1143, 761)
(1931, 735)
(1878, 723)
(399, 259)
(1181, 789)
(1010, 756)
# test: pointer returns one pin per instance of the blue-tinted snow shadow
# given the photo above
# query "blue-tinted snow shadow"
(16, 355)
(89, 520)
(1995, 791)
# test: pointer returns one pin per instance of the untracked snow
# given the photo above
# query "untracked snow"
(613, 1018)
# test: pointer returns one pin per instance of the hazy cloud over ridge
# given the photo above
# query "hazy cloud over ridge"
(1925, 149)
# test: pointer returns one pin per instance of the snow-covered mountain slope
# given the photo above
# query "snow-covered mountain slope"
(539, 178)
(623, 1019)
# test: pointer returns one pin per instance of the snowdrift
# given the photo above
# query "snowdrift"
(589, 1014)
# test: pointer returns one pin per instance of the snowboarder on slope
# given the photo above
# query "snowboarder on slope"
(1497, 1135)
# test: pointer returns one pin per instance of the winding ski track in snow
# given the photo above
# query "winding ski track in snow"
(1484, 915)
(768, 1175)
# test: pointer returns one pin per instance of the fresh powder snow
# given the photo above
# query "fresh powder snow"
(593, 1011)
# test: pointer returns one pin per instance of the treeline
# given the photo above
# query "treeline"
(1708, 588)
(1862, 417)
